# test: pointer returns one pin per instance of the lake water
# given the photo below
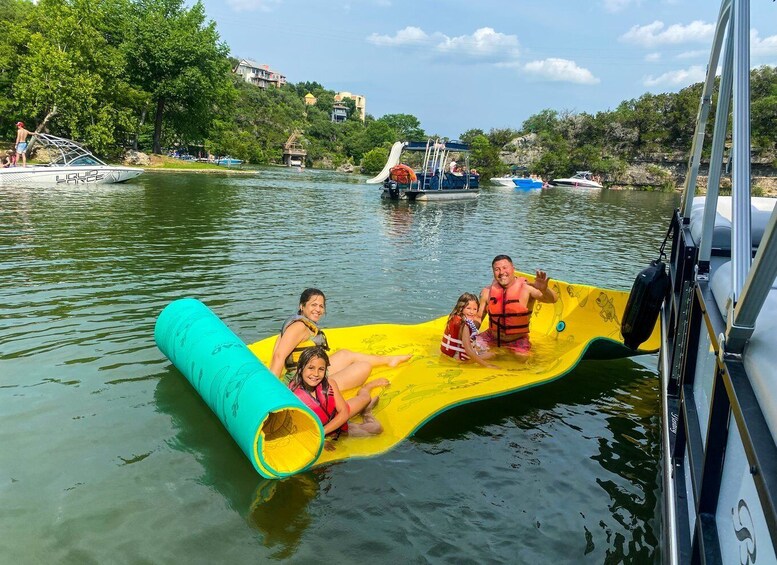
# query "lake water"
(108, 455)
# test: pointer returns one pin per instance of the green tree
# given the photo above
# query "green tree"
(469, 135)
(175, 56)
(407, 126)
(73, 71)
(374, 160)
(485, 157)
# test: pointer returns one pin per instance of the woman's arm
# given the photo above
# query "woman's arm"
(467, 343)
(343, 412)
(295, 334)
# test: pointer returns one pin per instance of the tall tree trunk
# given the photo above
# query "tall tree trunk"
(142, 121)
(160, 108)
(40, 127)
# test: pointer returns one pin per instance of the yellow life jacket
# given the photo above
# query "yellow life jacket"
(318, 339)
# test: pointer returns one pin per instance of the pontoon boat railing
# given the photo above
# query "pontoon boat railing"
(699, 423)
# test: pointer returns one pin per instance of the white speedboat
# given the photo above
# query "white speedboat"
(507, 181)
(71, 164)
(718, 359)
(581, 179)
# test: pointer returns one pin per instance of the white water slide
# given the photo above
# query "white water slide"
(393, 160)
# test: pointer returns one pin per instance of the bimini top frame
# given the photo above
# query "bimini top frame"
(749, 286)
(66, 151)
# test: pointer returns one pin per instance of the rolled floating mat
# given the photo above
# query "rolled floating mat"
(584, 324)
(277, 432)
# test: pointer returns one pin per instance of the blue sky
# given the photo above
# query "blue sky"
(458, 65)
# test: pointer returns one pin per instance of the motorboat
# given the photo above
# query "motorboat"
(71, 163)
(228, 161)
(718, 320)
(506, 181)
(581, 179)
(528, 183)
(435, 173)
(522, 183)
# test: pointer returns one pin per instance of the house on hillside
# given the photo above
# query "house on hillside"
(259, 75)
(310, 100)
(361, 102)
(339, 112)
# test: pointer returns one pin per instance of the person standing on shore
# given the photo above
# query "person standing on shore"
(21, 141)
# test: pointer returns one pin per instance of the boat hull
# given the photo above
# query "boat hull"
(427, 195)
(503, 181)
(590, 185)
(73, 175)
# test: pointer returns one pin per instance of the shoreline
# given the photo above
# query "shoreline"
(205, 171)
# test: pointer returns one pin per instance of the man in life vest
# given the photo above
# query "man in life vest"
(509, 301)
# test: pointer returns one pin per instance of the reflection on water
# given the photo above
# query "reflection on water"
(100, 435)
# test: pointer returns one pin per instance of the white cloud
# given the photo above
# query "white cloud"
(618, 5)
(681, 77)
(251, 5)
(763, 47)
(560, 70)
(654, 34)
(484, 43)
(411, 35)
(653, 57)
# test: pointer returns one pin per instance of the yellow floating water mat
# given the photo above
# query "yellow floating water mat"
(585, 322)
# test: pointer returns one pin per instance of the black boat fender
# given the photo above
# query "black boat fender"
(647, 294)
(644, 304)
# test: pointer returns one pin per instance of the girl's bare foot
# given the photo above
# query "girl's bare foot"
(395, 360)
(375, 384)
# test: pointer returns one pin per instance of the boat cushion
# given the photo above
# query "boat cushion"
(760, 212)
(759, 353)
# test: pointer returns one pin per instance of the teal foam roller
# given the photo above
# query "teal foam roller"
(277, 432)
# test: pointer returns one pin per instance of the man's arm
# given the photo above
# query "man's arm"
(541, 283)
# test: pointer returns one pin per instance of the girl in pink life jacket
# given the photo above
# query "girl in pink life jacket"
(322, 395)
(458, 341)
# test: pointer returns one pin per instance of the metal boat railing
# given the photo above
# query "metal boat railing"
(715, 431)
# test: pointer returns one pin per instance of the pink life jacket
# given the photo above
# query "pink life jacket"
(323, 405)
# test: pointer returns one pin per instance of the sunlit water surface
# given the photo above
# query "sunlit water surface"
(108, 455)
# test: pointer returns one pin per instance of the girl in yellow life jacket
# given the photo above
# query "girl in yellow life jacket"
(349, 369)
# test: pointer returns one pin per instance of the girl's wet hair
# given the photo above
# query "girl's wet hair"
(305, 357)
(307, 294)
(462, 302)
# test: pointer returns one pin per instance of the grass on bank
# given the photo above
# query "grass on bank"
(164, 162)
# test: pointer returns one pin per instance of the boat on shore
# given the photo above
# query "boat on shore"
(70, 164)
(581, 179)
(718, 357)
(434, 172)
(228, 161)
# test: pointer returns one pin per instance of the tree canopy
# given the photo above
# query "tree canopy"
(154, 75)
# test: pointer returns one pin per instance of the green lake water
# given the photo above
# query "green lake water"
(107, 455)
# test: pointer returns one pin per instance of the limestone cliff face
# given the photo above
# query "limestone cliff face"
(522, 151)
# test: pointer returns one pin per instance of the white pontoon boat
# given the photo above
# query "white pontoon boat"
(71, 164)
(718, 360)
